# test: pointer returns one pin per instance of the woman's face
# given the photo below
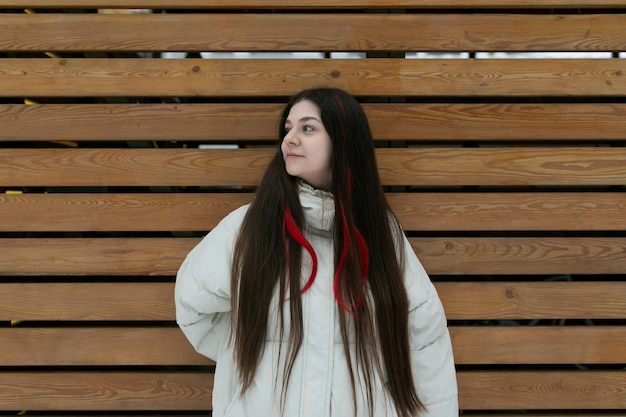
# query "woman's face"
(306, 148)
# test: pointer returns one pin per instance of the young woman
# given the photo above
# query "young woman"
(311, 299)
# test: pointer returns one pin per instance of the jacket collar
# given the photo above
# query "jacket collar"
(318, 206)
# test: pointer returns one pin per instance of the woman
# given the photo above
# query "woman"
(310, 299)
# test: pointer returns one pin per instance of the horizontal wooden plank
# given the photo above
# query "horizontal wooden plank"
(440, 256)
(478, 390)
(225, 123)
(427, 211)
(536, 390)
(539, 211)
(196, 77)
(523, 413)
(105, 391)
(536, 255)
(133, 167)
(86, 301)
(502, 345)
(197, 32)
(510, 166)
(204, 413)
(533, 300)
(301, 4)
(503, 166)
(484, 345)
(97, 346)
(140, 122)
(129, 212)
(138, 301)
(88, 257)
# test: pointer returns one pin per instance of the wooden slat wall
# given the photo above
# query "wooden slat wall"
(508, 175)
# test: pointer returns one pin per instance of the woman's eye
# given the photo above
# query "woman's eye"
(308, 128)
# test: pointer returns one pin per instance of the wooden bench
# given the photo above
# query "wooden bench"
(507, 174)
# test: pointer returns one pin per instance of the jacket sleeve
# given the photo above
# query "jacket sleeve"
(432, 359)
(202, 292)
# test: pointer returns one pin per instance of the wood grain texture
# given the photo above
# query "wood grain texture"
(227, 123)
(117, 212)
(535, 211)
(87, 301)
(540, 211)
(94, 257)
(97, 346)
(134, 167)
(533, 300)
(536, 390)
(192, 413)
(501, 345)
(137, 122)
(150, 301)
(302, 4)
(579, 413)
(145, 257)
(514, 256)
(195, 77)
(495, 414)
(478, 390)
(515, 166)
(294, 33)
(188, 413)
(105, 391)
(124, 346)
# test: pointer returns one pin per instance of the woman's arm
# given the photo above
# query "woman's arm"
(202, 293)
(432, 359)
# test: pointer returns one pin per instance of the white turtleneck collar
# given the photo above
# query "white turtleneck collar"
(318, 206)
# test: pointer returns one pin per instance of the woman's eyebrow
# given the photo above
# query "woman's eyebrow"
(305, 119)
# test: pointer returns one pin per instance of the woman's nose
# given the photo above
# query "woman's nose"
(291, 138)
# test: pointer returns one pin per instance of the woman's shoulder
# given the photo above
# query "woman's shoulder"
(227, 228)
(236, 216)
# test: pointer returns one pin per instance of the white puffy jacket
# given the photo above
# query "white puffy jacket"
(320, 384)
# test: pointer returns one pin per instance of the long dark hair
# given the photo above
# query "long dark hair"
(368, 282)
